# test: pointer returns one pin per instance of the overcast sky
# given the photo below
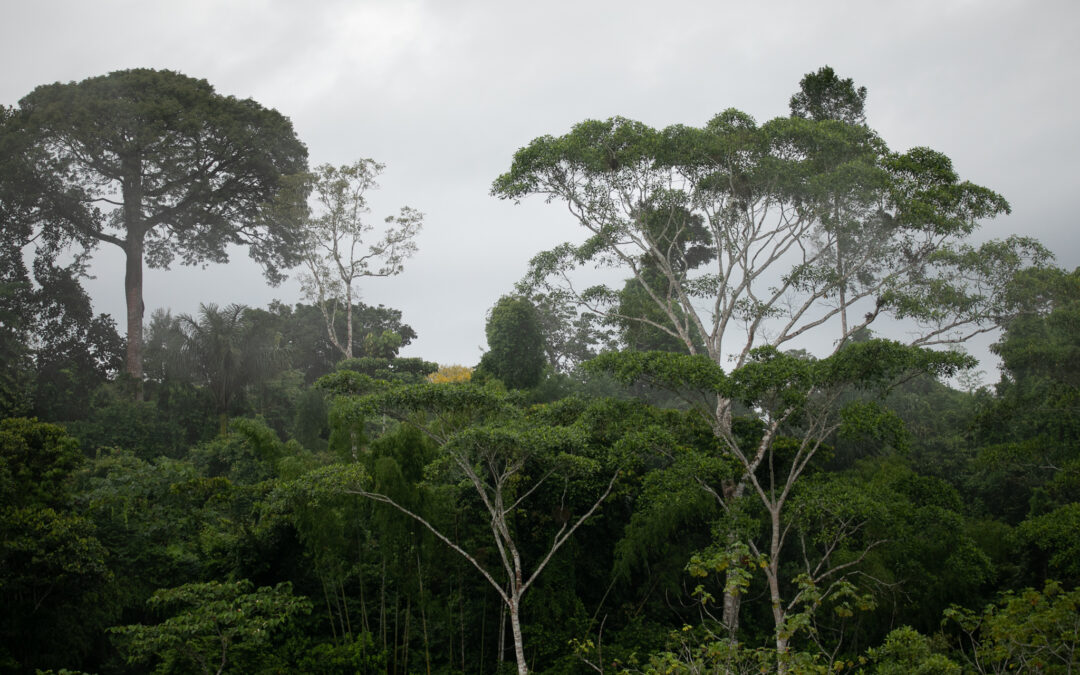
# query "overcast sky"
(444, 93)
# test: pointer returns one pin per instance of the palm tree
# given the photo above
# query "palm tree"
(226, 353)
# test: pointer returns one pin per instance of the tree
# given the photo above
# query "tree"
(797, 405)
(450, 374)
(500, 455)
(571, 336)
(54, 350)
(740, 235)
(161, 166)
(515, 345)
(74, 350)
(794, 224)
(54, 577)
(338, 250)
(906, 651)
(226, 352)
(211, 626)
(1028, 632)
(824, 96)
(1030, 431)
(16, 381)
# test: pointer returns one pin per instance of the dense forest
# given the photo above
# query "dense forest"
(752, 442)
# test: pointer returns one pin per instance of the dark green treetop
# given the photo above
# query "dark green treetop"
(823, 95)
(160, 165)
(516, 345)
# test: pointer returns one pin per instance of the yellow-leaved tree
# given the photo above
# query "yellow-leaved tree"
(450, 374)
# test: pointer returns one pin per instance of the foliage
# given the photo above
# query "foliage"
(378, 332)
(211, 627)
(54, 578)
(571, 336)
(515, 345)
(177, 170)
(824, 96)
(1057, 536)
(450, 374)
(55, 349)
(226, 350)
(37, 462)
(905, 651)
(499, 456)
(701, 506)
(339, 250)
(1030, 631)
(853, 231)
(16, 380)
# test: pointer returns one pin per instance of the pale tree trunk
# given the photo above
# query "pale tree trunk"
(732, 598)
(348, 321)
(732, 601)
(502, 634)
(519, 642)
(773, 574)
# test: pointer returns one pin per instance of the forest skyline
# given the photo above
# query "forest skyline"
(444, 97)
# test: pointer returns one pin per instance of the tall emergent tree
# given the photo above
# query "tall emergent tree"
(338, 250)
(162, 166)
(741, 236)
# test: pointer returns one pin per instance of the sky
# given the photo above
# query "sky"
(443, 93)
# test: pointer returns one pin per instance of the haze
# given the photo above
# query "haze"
(443, 93)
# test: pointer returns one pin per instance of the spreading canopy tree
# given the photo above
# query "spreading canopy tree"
(160, 165)
(740, 234)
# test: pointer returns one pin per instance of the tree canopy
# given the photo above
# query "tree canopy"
(162, 166)
(663, 473)
(740, 234)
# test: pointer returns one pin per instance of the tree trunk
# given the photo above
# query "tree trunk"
(133, 290)
(329, 610)
(502, 633)
(423, 618)
(782, 638)
(519, 642)
(348, 322)
(773, 575)
(133, 267)
(732, 601)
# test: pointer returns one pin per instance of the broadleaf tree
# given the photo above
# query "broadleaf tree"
(515, 343)
(339, 249)
(495, 452)
(740, 236)
(160, 165)
(211, 625)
